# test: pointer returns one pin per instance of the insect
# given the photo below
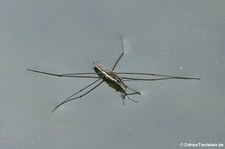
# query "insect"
(112, 78)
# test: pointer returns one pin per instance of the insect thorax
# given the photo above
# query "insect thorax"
(110, 77)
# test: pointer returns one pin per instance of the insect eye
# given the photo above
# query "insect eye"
(118, 80)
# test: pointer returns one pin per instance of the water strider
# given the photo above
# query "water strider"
(110, 77)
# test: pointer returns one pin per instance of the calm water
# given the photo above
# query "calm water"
(184, 38)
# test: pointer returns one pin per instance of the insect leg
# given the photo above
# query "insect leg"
(118, 59)
(70, 97)
(123, 97)
(71, 75)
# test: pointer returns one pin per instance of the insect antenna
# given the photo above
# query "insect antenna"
(126, 95)
(132, 99)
